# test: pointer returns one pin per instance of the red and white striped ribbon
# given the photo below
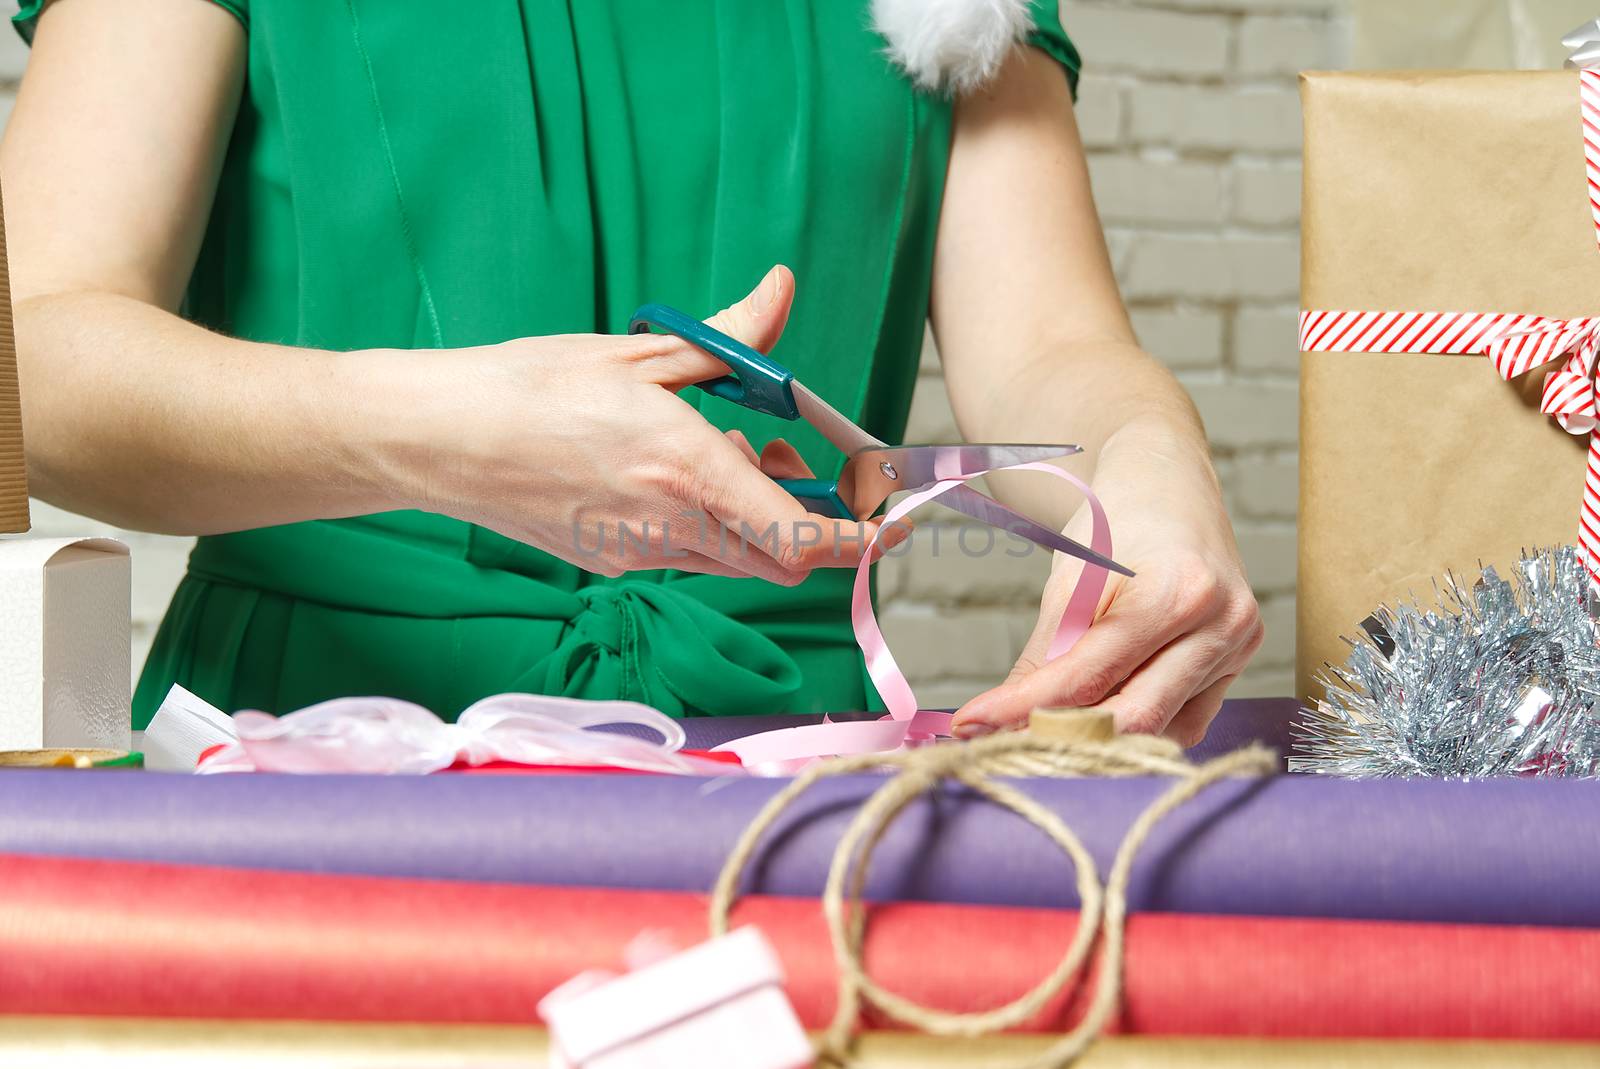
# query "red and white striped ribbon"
(1513, 343)
(1589, 102)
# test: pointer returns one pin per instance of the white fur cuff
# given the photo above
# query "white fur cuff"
(959, 44)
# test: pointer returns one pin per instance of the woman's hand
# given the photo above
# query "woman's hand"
(579, 445)
(1167, 642)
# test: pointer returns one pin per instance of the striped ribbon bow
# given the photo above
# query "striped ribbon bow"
(1513, 343)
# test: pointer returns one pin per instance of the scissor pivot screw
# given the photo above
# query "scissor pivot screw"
(888, 469)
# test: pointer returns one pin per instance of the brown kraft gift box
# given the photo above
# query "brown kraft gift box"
(13, 477)
(1433, 192)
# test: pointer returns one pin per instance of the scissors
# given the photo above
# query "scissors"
(874, 469)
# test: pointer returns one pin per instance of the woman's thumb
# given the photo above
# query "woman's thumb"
(758, 320)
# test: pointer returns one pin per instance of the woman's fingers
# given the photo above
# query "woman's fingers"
(1186, 597)
(1189, 726)
(698, 563)
(708, 564)
(1152, 696)
(1146, 700)
(758, 321)
(780, 460)
(1118, 643)
(1163, 639)
(742, 444)
(1135, 626)
(782, 545)
(770, 522)
(777, 459)
(739, 553)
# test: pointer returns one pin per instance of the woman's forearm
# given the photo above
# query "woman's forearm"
(561, 442)
(131, 414)
(1108, 397)
(140, 418)
(1035, 342)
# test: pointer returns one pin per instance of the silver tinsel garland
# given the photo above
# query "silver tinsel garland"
(1502, 680)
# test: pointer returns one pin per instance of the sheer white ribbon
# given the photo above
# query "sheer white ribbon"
(386, 735)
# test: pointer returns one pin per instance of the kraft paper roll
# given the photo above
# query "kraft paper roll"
(142, 940)
(133, 1043)
(74, 759)
(102, 1043)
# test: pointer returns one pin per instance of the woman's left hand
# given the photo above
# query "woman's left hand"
(1166, 643)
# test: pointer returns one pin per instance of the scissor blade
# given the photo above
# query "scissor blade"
(923, 465)
(845, 435)
(979, 507)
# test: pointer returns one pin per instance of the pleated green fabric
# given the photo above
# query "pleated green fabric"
(410, 174)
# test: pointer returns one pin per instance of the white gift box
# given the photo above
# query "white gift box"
(719, 1005)
(64, 644)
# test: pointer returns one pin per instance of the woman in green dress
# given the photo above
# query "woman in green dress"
(342, 287)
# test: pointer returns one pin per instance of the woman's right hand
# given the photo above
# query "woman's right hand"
(579, 445)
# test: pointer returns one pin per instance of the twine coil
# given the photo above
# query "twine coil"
(1103, 909)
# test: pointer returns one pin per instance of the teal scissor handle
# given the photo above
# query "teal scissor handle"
(820, 496)
(755, 380)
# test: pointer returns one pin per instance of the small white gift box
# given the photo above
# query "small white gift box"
(64, 650)
(719, 1005)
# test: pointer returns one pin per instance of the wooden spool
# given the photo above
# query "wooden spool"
(1073, 725)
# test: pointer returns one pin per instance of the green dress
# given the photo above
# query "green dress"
(410, 174)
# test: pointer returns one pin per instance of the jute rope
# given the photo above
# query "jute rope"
(1103, 909)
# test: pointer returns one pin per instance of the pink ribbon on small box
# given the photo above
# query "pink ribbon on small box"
(718, 1005)
(1514, 344)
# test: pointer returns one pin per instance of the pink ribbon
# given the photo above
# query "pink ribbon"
(783, 751)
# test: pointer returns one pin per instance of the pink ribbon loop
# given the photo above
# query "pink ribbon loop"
(784, 750)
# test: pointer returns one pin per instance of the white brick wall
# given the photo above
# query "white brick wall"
(1189, 111)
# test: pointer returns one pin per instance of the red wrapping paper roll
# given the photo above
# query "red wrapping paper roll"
(133, 939)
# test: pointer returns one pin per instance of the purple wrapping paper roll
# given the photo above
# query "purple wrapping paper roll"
(1500, 851)
(1264, 720)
